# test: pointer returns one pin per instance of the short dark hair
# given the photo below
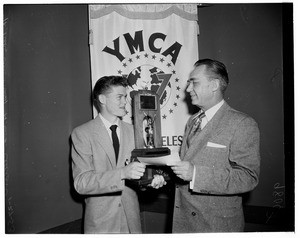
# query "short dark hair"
(218, 68)
(104, 84)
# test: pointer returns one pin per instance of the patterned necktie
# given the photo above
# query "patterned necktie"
(115, 140)
(196, 127)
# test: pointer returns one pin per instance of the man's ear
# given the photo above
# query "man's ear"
(215, 85)
(102, 99)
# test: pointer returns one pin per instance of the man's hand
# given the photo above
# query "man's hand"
(134, 170)
(158, 181)
(184, 170)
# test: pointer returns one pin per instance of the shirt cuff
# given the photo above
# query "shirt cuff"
(193, 179)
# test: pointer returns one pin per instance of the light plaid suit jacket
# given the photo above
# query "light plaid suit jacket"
(109, 205)
(227, 160)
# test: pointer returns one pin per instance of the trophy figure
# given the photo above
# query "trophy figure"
(147, 130)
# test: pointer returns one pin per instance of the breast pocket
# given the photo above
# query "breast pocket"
(216, 155)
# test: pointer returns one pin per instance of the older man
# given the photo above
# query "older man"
(220, 157)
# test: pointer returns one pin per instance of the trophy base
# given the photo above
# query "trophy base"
(150, 170)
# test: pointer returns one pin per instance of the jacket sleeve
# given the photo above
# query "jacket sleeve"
(88, 180)
(241, 173)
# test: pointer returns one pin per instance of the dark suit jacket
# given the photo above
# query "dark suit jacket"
(227, 160)
(110, 204)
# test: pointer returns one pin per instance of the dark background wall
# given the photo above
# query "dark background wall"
(47, 85)
(248, 39)
(255, 42)
(47, 90)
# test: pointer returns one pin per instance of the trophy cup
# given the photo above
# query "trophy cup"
(147, 132)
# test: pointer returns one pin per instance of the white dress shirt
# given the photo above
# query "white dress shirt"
(208, 116)
(108, 124)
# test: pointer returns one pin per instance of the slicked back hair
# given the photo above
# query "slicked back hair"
(218, 70)
(103, 86)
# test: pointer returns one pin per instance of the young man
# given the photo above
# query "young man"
(100, 149)
(220, 157)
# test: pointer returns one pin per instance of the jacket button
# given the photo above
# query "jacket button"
(119, 204)
(193, 213)
(177, 206)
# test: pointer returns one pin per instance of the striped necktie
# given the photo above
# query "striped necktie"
(196, 127)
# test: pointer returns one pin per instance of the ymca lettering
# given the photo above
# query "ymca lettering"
(137, 44)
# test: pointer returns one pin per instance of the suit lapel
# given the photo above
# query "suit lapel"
(122, 140)
(105, 141)
(212, 128)
(218, 120)
(125, 143)
(198, 141)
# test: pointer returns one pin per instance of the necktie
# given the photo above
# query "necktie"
(196, 126)
(115, 140)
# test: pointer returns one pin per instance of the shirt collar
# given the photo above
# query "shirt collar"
(107, 123)
(212, 111)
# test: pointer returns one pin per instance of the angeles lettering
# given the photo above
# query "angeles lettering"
(172, 140)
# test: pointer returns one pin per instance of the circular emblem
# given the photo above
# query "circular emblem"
(152, 72)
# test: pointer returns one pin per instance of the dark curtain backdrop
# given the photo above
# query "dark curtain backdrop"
(47, 93)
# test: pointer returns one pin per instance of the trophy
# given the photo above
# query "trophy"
(147, 131)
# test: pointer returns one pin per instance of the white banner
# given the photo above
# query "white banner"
(155, 47)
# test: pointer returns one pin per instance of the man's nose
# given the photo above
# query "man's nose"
(189, 87)
(124, 101)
